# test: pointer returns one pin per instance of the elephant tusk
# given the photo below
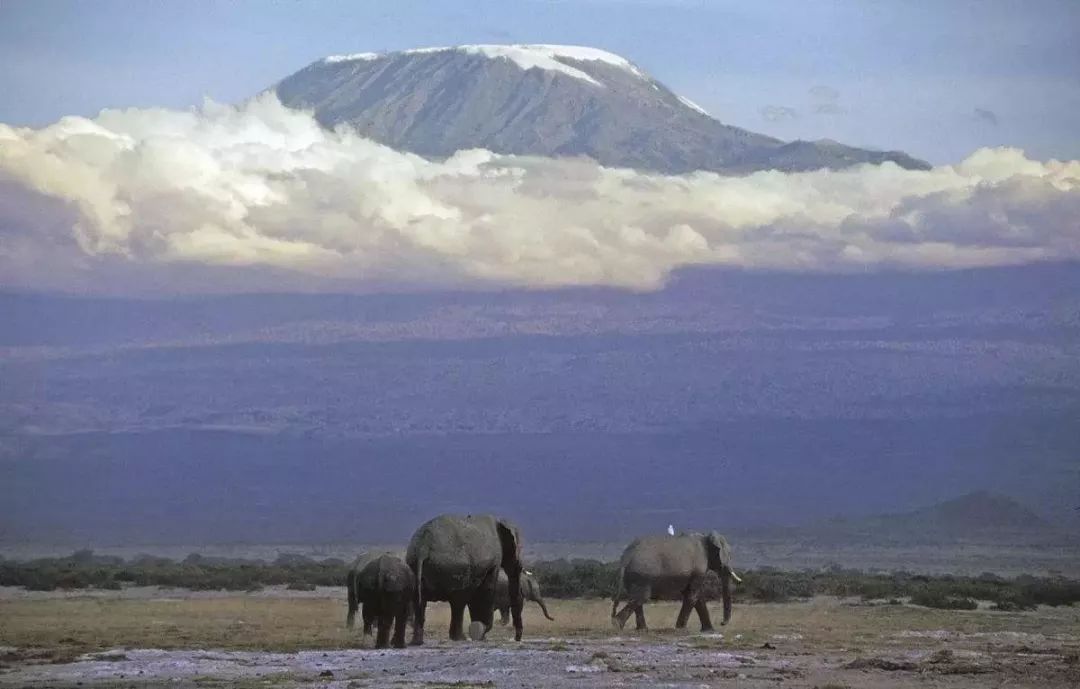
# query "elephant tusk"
(735, 576)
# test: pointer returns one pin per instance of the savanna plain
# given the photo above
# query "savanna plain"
(277, 637)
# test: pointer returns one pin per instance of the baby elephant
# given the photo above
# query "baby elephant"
(384, 586)
(530, 590)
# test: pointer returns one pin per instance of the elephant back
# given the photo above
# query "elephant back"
(386, 574)
(456, 552)
(660, 557)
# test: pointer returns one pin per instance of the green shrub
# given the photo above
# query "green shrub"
(576, 578)
(1057, 591)
(773, 586)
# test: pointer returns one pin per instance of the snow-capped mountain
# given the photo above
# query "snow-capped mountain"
(542, 100)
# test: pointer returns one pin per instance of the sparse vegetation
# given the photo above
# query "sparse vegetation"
(579, 578)
(931, 598)
(196, 572)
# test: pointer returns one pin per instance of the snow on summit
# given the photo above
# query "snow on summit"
(547, 57)
(351, 57)
(692, 105)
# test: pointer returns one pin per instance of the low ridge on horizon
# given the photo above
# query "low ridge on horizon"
(977, 512)
(544, 100)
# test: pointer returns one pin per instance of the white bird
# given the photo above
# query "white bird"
(670, 530)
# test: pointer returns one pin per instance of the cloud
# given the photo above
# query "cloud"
(829, 109)
(260, 197)
(778, 113)
(826, 100)
(824, 94)
(987, 116)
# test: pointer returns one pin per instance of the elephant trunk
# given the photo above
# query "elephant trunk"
(531, 591)
(540, 602)
(725, 589)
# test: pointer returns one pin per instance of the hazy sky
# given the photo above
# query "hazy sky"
(937, 78)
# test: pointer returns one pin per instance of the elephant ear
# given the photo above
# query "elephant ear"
(720, 549)
(510, 537)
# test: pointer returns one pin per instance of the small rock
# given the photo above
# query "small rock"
(768, 646)
(326, 673)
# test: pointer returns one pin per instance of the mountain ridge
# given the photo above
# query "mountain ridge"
(977, 513)
(544, 100)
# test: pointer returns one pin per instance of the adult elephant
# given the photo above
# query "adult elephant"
(672, 568)
(530, 590)
(457, 559)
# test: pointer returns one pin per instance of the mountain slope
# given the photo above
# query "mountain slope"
(978, 511)
(972, 515)
(542, 100)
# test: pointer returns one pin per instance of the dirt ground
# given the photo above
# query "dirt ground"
(275, 638)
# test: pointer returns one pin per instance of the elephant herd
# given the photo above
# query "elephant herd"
(474, 562)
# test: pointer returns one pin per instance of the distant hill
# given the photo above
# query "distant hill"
(543, 100)
(975, 514)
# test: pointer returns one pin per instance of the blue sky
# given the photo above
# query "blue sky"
(937, 78)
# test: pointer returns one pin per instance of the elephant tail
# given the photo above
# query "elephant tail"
(354, 603)
(419, 582)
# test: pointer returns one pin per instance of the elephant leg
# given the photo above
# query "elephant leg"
(457, 619)
(684, 614)
(369, 618)
(478, 612)
(639, 618)
(400, 617)
(386, 620)
(482, 604)
(703, 615)
(632, 608)
(504, 615)
(418, 622)
(623, 615)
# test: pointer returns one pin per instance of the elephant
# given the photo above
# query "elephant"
(383, 584)
(673, 568)
(530, 590)
(457, 559)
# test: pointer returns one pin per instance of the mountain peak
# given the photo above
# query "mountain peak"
(542, 100)
(554, 58)
(981, 510)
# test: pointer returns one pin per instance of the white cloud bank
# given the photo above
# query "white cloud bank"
(234, 193)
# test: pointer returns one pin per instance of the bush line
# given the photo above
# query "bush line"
(579, 578)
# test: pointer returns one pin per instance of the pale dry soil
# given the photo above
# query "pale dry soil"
(173, 639)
